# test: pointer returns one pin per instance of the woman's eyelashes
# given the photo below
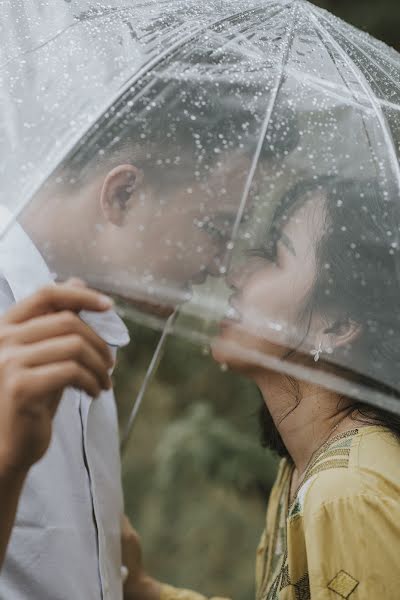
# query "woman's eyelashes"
(267, 252)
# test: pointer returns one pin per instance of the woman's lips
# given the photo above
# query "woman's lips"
(199, 279)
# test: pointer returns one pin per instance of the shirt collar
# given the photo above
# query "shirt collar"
(26, 271)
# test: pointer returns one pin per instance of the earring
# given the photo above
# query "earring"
(316, 353)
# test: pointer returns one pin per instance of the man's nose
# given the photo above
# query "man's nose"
(218, 265)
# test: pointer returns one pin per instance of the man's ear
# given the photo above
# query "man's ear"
(342, 333)
(118, 191)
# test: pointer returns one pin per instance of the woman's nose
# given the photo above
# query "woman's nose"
(236, 276)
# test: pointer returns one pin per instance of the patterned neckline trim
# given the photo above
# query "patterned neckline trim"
(326, 446)
(314, 460)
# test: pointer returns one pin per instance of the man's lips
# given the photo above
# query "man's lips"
(199, 279)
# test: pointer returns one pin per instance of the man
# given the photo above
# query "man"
(142, 208)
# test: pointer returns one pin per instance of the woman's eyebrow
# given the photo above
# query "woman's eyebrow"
(287, 242)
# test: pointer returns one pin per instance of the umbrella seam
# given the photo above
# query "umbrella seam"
(320, 84)
(369, 58)
(263, 131)
(364, 84)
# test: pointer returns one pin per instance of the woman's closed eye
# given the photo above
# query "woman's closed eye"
(267, 252)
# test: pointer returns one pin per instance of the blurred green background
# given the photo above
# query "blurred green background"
(195, 477)
(380, 18)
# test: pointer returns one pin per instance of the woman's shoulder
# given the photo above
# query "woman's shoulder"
(360, 464)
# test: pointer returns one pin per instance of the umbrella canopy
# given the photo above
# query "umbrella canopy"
(146, 147)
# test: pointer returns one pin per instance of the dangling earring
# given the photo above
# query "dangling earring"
(316, 353)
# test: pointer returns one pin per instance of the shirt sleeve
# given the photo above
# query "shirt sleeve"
(353, 548)
(170, 593)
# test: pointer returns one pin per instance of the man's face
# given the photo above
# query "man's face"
(129, 234)
(170, 238)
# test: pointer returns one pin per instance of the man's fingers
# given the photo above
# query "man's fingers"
(53, 378)
(55, 325)
(54, 298)
(66, 348)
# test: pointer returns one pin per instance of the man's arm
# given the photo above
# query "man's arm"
(44, 347)
(10, 491)
(139, 585)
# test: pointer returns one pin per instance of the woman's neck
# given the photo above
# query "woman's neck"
(305, 415)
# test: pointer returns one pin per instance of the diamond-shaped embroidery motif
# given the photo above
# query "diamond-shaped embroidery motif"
(343, 584)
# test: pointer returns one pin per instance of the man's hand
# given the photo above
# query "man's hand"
(45, 347)
(138, 585)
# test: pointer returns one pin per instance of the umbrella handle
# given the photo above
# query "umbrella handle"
(152, 368)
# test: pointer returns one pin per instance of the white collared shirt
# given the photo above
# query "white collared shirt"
(66, 542)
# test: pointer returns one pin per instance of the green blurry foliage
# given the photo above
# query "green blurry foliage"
(196, 480)
(195, 476)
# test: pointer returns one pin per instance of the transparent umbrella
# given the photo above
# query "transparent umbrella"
(235, 159)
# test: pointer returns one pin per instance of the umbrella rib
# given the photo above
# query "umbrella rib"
(323, 84)
(333, 91)
(376, 45)
(181, 43)
(364, 84)
(264, 129)
(155, 361)
(370, 59)
(330, 381)
(258, 53)
(346, 85)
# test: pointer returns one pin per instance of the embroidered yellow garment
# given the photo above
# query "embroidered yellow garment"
(340, 538)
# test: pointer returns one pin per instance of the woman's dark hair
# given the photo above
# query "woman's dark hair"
(358, 282)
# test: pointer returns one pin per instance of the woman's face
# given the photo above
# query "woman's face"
(270, 291)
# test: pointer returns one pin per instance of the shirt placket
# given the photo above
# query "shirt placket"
(101, 541)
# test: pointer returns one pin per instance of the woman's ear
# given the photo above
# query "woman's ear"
(118, 191)
(342, 333)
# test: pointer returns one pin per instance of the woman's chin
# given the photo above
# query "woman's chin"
(225, 350)
(239, 349)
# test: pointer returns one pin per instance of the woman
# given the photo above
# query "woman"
(330, 279)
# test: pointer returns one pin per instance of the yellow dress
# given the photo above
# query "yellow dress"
(340, 538)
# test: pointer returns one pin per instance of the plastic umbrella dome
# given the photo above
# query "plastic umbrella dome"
(237, 159)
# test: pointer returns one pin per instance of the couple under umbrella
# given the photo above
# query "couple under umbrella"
(156, 147)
